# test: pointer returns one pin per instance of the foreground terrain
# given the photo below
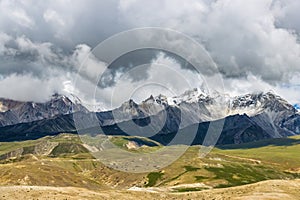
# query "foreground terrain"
(266, 190)
(61, 167)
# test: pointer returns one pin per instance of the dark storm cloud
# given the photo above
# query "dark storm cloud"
(133, 59)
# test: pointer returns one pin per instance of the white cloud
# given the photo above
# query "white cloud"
(28, 88)
(21, 18)
(254, 42)
(16, 14)
(92, 66)
(4, 38)
(64, 23)
(43, 49)
(176, 14)
(287, 14)
(240, 35)
(165, 76)
(60, 24)
(251, 83)
(51, 16)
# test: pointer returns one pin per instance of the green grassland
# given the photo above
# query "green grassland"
(64, 161)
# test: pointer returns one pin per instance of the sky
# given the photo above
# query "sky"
(254, 43)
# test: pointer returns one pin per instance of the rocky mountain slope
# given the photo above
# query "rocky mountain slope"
(246, 118)
(15, 112)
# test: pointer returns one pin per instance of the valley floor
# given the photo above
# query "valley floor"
(265, 190)
(60, 167)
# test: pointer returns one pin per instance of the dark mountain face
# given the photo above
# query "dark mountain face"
(247, 118)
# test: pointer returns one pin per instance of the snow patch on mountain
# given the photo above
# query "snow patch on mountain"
(190, 96)
(3, 108)
(297, 107)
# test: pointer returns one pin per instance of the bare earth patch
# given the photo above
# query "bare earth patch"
(265, 190)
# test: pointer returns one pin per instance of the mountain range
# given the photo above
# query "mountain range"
(246, 118)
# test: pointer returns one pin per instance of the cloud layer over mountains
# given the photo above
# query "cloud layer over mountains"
(255, 43)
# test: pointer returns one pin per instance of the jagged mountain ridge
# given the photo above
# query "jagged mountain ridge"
(14, 112)
(248, 117)
(196, 107)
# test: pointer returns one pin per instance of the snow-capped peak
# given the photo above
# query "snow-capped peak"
(250, 104)
(190, 96)
(254, 103)
(158, 100)
(297, 107)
